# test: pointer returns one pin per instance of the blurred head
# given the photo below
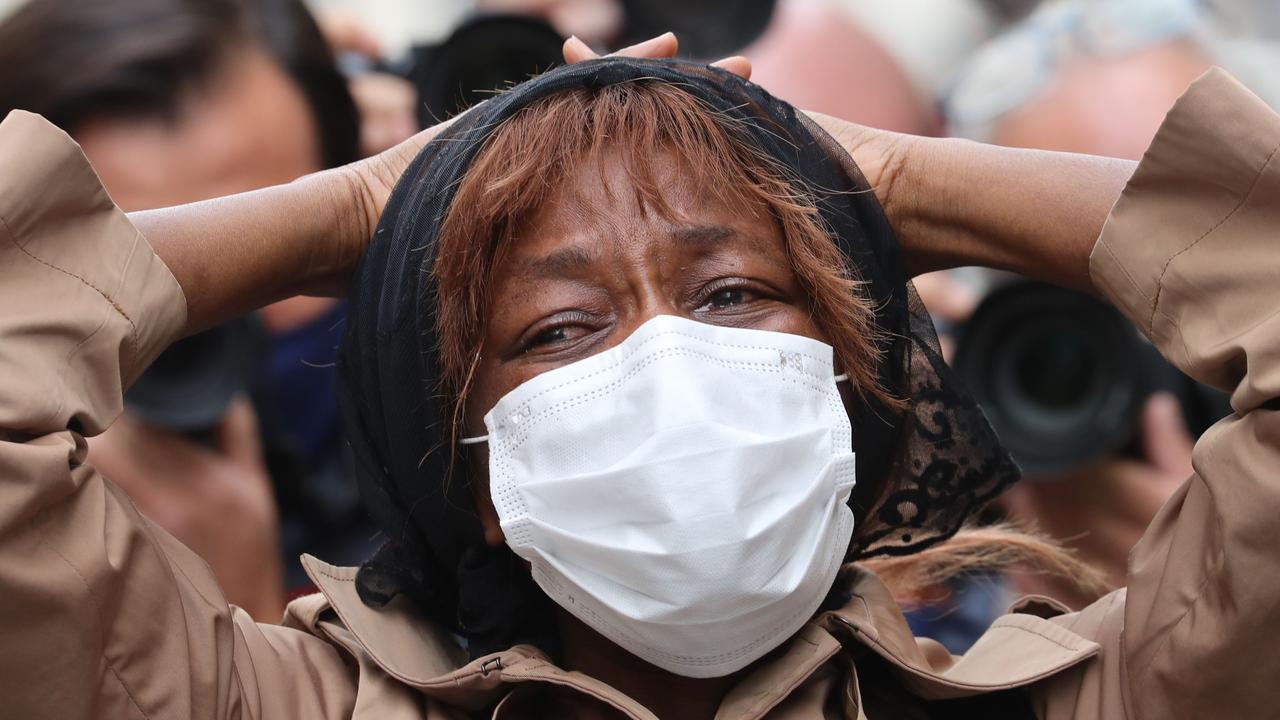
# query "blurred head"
(816, 56)
(246, 128)
(588, 213)
(1081, 76)
(180, 100)
(1104, 106)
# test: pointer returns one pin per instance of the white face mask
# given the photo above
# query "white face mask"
(682, 493)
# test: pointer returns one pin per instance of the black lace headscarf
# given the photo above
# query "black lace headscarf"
(922, 469)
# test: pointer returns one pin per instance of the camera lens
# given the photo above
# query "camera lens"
(1053, 370)
(1058, 374)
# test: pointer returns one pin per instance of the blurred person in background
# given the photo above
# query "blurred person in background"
(813, 54)
(175, 101)
(1098, 77)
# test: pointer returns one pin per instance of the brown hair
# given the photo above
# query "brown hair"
(524, 161)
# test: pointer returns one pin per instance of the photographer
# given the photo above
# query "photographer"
(174, 102)
(104, 615)
(1097, 78)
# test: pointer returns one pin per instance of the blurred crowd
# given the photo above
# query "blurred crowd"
(232, 440)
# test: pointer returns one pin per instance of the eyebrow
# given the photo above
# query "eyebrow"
(563, 261)
(711, 237)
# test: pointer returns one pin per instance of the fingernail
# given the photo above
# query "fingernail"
(668, 35)
(654, 40)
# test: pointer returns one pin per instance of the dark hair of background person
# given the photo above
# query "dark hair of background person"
(290, 33)
(70, 60)
(73, 60)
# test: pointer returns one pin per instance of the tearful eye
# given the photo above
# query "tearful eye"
(727, 297)
(558, 332)
(550, 335)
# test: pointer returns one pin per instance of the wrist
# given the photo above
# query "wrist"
(930, 208)
(888, 162)
(1032, 212)
(348, 211)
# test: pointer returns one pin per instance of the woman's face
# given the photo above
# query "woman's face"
(591, 266)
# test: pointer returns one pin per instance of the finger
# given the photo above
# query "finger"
(1165, 440)
(238, 437)
(575, 50)
(738, 65)
(663, 46)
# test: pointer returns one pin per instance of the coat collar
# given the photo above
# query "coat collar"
(1017, 650)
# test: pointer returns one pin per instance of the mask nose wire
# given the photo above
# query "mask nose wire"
(843, 377)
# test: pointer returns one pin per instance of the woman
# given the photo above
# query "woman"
(635, 249)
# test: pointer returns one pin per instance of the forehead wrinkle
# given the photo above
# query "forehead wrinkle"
(702, 235)
(714, 237)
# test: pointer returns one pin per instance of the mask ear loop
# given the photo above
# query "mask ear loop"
(842, 377)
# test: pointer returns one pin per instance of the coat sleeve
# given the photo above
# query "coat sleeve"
(102, 614)
(1191, 254)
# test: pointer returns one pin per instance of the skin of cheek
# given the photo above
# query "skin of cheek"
(637, 270)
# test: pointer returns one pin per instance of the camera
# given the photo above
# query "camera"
(1063, 376)
(191, 384)
(484, 53)
(487, 52)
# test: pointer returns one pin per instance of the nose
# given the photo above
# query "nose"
(650, 300)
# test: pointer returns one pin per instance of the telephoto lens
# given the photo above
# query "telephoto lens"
(1062, 376)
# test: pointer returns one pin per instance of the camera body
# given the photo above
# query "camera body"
(482, 55)
(1063, 376)
(192, 383)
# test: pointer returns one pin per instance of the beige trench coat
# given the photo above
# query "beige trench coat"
(103, 615)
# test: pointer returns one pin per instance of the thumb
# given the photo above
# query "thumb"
(1165, 441)
(238, 437)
